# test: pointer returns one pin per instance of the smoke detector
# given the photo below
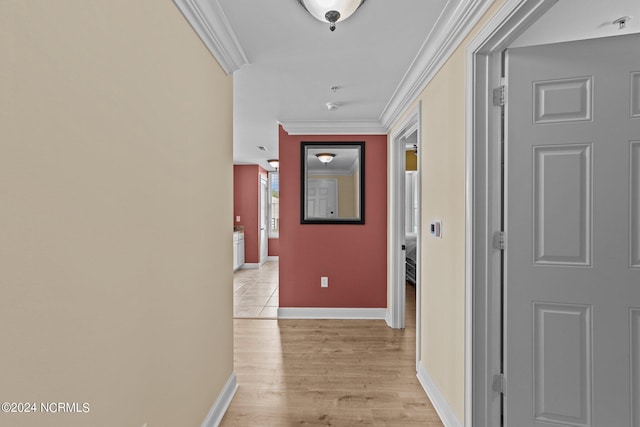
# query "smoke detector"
(332, 106)
(622, 22)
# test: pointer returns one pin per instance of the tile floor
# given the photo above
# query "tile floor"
(255, 292)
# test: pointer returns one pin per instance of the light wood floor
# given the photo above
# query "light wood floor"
(327, 372)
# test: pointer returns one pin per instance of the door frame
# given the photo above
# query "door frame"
(397, 276)
(483, 267)
(263, 235)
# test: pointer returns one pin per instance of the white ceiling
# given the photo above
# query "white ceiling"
(572, 20)
(294, 60)
(284, 61)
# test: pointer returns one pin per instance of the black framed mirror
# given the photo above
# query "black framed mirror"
(332, 183)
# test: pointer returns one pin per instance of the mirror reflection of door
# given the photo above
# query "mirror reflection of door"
(322, 198)
(332, 182)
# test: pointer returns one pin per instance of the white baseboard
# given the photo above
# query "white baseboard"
(222, 403)
(440, 404)
(387, 318)
(250, 266)
(272, 258)
(331, 313)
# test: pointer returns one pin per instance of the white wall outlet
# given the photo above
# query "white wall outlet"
(324, 282)
(237, 218)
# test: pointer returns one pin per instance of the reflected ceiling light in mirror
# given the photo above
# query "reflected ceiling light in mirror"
(331, 11)
(325, 157)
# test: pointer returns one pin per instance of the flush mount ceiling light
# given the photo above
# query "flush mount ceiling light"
(331, 11)
(332, 106)
(325, 157)
(274, 163)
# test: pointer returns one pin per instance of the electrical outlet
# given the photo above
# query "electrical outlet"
(324, 282)
(237, 218)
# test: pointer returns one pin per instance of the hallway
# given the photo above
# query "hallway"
(325, 372)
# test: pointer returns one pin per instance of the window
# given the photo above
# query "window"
(274, 204)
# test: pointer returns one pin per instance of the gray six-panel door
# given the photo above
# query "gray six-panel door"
(572, 218)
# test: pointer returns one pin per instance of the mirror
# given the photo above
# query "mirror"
(332, 183)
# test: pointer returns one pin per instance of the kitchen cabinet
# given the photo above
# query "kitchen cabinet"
(238, 250)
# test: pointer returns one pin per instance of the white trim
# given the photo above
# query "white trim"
(273, 258)
(453, 25)
(219, 408)
(331, 313)
(440, 404)
(396, 224)
(250, 266)
(371, 127)
(212, 26)
(263, 242)
(482, 214)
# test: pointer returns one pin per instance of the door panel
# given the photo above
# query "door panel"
(562, 204)
(322, 198)
(635, 94)
(562, 363)
(634, 213)
(564, 100)
(572, 220)
(635, 366)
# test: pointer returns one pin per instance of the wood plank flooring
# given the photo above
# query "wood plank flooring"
(327, 373)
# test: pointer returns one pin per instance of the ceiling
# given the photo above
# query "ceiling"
(572, 20)
(294, 60)
(285, 62)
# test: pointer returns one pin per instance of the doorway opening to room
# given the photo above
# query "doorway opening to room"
(255, 286)
(405, 225)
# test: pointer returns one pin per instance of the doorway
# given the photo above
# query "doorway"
(404, 217)
(544, 392)
(264, 220)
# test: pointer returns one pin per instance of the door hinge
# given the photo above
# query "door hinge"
(498, 240)
(498, 96)
(499, 384)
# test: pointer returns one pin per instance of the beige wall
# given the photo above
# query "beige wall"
(443, 197)
(116, 199)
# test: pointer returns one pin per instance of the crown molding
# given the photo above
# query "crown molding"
(212, 26)
(369, 127)
(454, 23)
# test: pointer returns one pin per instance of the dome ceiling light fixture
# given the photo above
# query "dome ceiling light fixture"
(274, 163)
(331, 11)
(325, 157)
(332, 106)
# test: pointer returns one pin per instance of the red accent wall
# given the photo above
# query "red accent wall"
(246, 204)
(354, 257)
